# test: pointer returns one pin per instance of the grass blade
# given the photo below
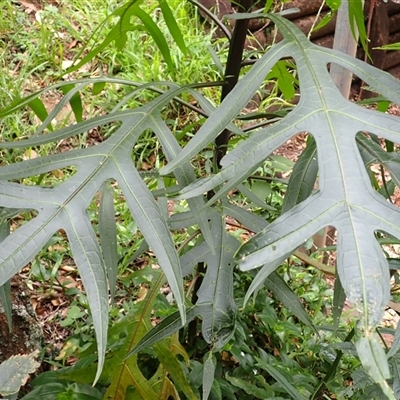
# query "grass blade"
(290, 389)
(286, 295)
(157, 35)
(75, 102)
(165, 328)
(172, 25)
(108, 235)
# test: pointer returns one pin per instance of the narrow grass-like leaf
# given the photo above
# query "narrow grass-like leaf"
(39, 109)
(157, 35)
(117, 33)
(209, 366)
(357, 23)
(172, 25)
(75, 102)
(167, 327)
(290, 389)
(373, 359)
(71, 96)
(19, 103)
(303, 177)
(396, 343)
(390, 46)
(339, 298)
(108, 235)
(216, 59)
(290, 300)
(5, 290)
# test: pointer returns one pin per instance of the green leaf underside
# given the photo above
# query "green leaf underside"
(64, 207)
(345, 198)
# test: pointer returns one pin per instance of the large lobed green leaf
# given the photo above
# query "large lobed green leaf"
(64, 206)
(345, 198)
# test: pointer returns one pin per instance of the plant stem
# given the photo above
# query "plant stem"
(232, 72)
(193, 326)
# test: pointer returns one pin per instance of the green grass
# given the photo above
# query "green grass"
(36, 47)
